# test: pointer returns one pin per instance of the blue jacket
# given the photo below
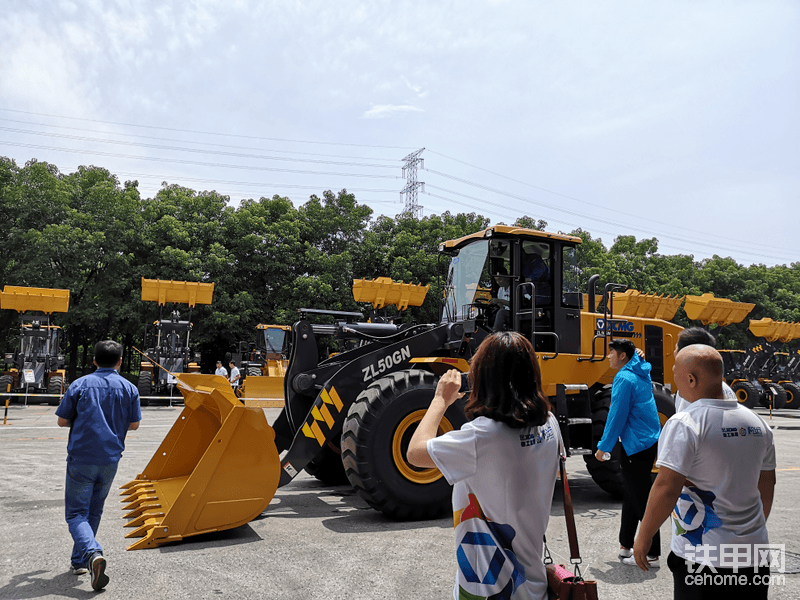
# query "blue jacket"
(101, 406)
(633, 417)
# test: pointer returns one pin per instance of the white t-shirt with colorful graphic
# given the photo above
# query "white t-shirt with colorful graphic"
(681, 404)
(721, 447)
(503, 480)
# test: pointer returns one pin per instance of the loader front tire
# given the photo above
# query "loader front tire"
(375, 439)
(253, 372)
(792, 395)
(145, 386)
(606, 474)
(746, 393)
(54, 387)
(327, 467)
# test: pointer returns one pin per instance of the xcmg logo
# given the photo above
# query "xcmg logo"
(614, 326)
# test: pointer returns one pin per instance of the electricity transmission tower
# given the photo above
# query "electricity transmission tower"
(409, 193)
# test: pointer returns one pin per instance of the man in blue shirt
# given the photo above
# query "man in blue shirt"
(99, 409)
(633, 419)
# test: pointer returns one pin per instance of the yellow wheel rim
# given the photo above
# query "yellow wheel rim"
(402, 436)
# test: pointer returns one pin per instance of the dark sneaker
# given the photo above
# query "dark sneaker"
(99, 577)
(78, 570)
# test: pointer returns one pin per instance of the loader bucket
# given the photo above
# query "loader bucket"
(217, 468)
(185, 292)
(263, 387)
(382, 291)
(774, 331)
(722, 311)
(23, 299)
(632, 303)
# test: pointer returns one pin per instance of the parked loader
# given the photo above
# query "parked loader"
(37, 367)
(355, 412)
(262, 365)
(766, 380)
(168, 339)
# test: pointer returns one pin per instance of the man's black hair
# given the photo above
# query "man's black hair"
(625, 346)
(107, 354)
(695, 335)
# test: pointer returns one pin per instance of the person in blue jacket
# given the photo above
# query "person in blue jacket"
(99, 409)
(633, 419)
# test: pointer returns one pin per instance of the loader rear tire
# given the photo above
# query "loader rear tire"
(779, 401)
(54, 386)
(375, 439)
(607, 474)
(792, 395)
(746, 393)
(145, 386)
(327, 466)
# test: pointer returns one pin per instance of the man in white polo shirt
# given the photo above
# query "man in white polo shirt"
(716, 478)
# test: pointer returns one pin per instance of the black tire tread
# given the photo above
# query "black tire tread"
(792, 395)
(362, 418)
(752, 395)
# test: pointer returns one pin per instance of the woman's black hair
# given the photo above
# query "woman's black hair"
(506, 382)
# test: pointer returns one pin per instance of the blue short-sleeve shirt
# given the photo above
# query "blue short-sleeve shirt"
(101, 406)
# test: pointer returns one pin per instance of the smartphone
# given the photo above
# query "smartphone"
(464, 383)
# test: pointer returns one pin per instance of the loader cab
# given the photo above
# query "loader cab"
(510, 278)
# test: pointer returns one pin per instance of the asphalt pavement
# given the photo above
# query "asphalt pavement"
(313, 541)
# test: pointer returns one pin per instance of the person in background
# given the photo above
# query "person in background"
(716, 478)
(502, 318)
(502, 465)
(234, 378)
(688, 337)
(100, 409)
(222, 371)
(633, 419)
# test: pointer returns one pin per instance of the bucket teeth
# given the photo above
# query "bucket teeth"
(144, 529)
(135, 486)
(144, 518)
(141, 509)
(140, 501)
(132, 483)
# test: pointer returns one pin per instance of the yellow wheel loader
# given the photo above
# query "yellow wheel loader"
(167, 340)
(37, 367)
(352, 415)
(263, 365)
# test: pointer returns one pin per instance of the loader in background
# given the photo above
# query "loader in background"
(37, 367)
(354, 413)
(167, 340)
(262, 365)
(763, 383)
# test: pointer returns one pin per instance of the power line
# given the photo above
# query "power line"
(680, 240)
(658, 233)
(190, 162)
(194, 150)
(151, 137)
(250, 137)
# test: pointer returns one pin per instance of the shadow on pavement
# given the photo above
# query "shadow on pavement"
(28, 585)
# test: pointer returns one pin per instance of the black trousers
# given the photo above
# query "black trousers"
(637, 481)
(725, 584)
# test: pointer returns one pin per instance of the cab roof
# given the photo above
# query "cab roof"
(506, 232)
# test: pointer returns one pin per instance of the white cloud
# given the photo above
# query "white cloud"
(382, 111)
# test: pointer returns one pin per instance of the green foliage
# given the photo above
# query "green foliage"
(98, 238)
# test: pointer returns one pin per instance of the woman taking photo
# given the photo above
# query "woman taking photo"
(502, 465)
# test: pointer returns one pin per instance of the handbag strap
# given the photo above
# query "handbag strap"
(569, 513)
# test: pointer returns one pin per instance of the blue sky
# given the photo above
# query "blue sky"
(677, 120)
